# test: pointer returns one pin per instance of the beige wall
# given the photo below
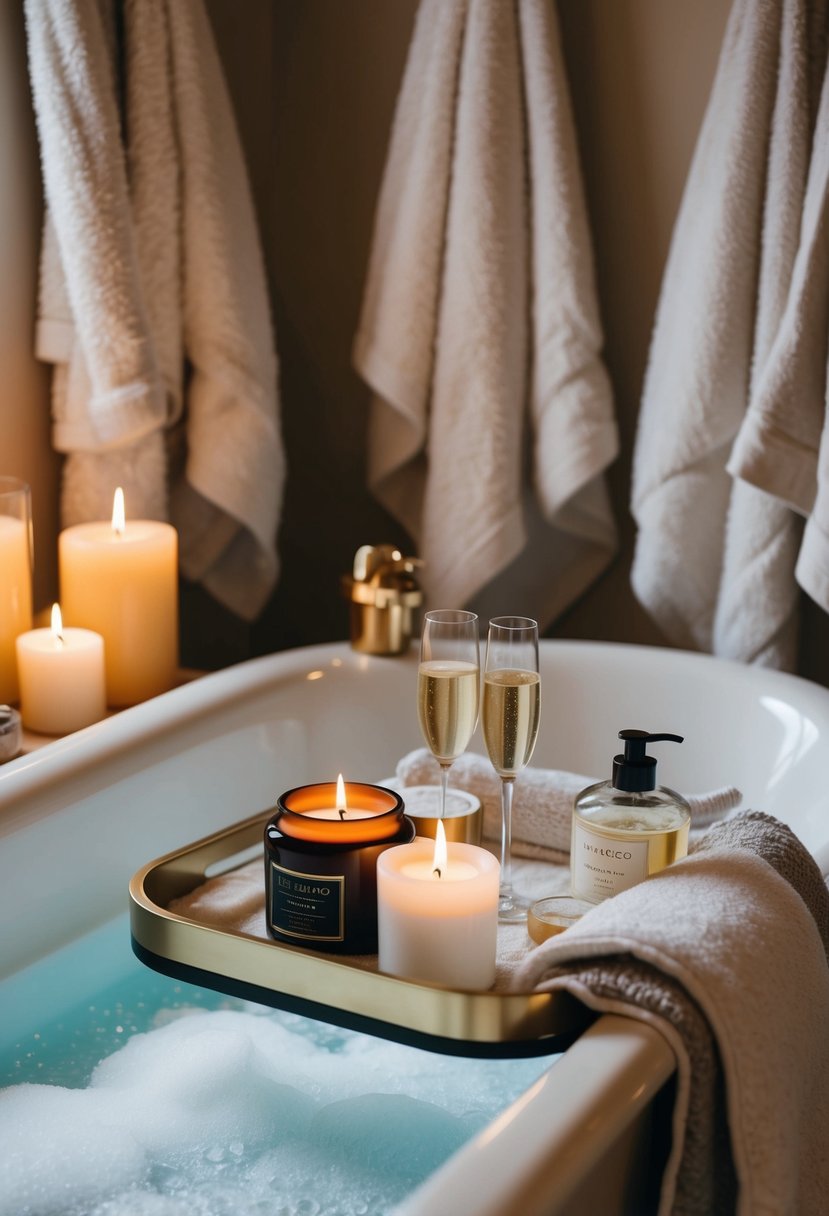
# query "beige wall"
(24, 392)
(314, 84)
(640, 75)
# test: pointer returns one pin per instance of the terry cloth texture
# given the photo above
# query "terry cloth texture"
(153, 304)
(725, 953)
(734, 398)
(479, 332)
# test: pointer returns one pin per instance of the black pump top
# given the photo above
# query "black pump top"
(635, 772)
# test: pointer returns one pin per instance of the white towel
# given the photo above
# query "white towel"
(777, 446)
(155, 264)
(479, 320)
(714, 561)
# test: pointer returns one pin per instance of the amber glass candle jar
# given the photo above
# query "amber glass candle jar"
(321, 864)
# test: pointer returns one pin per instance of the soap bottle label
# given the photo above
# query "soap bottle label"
(306, 905)
(602, 866)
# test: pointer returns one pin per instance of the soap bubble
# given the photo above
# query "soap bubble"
(245, 1112)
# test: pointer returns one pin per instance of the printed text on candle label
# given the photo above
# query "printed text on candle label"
(603, 867)
(305, 905)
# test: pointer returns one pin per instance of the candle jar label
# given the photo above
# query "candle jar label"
(306, 905)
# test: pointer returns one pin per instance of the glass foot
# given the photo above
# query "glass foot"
(512, 908)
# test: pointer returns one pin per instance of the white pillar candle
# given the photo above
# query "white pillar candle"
(440, 927)
(121, 580)
(61, 678)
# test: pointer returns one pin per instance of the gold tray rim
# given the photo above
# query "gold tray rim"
(412, 1007)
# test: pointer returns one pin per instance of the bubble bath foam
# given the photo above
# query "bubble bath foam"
(145, 1096)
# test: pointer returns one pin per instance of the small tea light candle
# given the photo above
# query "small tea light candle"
(121, 579)
(321, 850)
(438, 912)
(61, 671)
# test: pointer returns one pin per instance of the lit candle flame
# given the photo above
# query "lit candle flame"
(119, 518)
(342, 806)
(57, 624)
(439, 864)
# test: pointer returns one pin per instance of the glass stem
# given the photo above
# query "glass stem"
(444, 785)
(506, 835)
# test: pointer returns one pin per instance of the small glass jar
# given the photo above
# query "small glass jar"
(321, 864)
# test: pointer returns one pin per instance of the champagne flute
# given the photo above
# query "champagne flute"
(448, 686)
(511, 711)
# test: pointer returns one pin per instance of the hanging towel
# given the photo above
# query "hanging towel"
(543, 814)
(777, 446)
(725, 953)
(153, 303)
(812, 569)
(479, 331)
(714, 561)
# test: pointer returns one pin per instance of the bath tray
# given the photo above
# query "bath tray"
(331, 989)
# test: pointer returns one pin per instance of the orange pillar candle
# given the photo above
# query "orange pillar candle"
(15, 578)
(121, 580)
(61, 678)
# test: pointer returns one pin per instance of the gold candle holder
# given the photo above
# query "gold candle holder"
(463, 821)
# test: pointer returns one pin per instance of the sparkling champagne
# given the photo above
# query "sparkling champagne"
(447, 705)
(512, 706)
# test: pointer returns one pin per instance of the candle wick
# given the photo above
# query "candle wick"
(436, 871)
(341, 811)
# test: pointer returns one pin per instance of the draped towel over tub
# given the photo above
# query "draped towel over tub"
(726, 459)
(153, 302)
(479, 331)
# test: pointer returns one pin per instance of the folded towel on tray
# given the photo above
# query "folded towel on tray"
(725, 953)
(543, 809)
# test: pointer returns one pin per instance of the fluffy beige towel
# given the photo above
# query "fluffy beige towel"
(777, 446)
(479, 319)
(726, 954)
(151, 260)
(543, 811)
(714, 562)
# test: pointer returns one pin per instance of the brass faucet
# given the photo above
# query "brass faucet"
(384, 593)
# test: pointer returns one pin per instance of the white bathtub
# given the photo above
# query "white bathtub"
(80, 816)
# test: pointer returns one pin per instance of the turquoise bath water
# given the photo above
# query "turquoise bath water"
(130, 1094)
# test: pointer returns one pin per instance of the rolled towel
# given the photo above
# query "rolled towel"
(543, 800)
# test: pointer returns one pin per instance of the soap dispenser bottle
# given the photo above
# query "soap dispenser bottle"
(626, 828)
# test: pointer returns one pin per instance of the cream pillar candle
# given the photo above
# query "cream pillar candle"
(61, 678)
(438, 913)
(121, 580)
(15, 578)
